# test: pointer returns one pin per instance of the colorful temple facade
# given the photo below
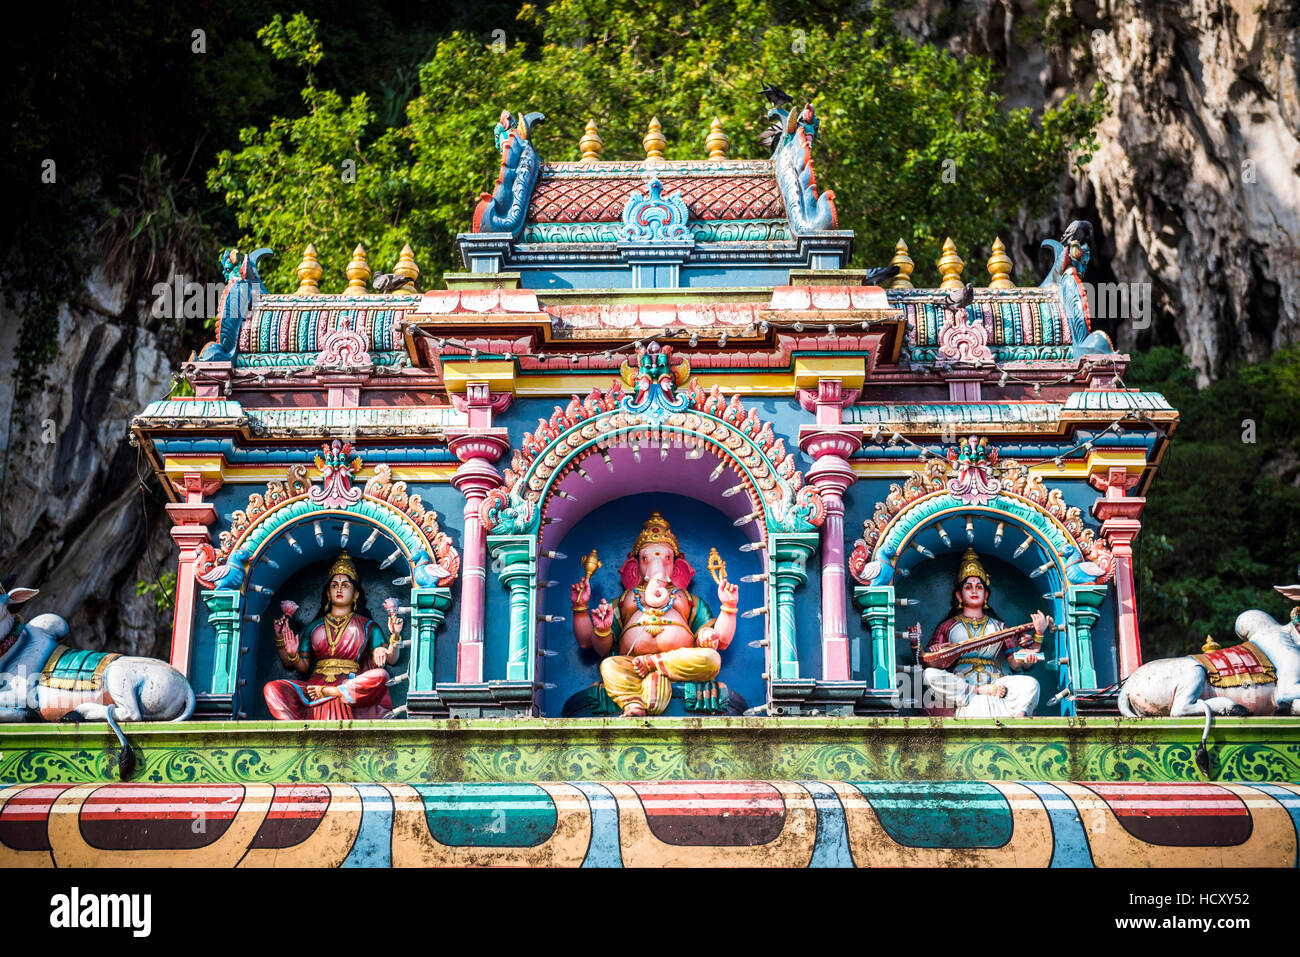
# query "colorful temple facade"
(655, 402)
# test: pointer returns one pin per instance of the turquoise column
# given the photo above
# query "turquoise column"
(788, 556)
(428, 611)
(223, 615)
(1084, 609)
(516, 557)
(876, 602)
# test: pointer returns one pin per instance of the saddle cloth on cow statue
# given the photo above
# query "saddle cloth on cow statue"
(1243, 664)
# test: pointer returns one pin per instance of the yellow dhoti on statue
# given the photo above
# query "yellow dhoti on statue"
(654, 691)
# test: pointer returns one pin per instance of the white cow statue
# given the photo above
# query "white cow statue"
(1181, 687)
(41, 679)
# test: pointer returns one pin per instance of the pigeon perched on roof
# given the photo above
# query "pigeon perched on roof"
(880, 275)
(775, 95)
(960, 298)
(390, 282)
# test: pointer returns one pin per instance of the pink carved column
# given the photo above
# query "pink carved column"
(830, 443)
(477, 446)
(190, 521)
(1120, 524)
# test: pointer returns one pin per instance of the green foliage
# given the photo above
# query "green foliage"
(160, 591)
(896, 116)
(1222, 524)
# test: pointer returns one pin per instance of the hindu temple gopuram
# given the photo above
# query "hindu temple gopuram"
(658, 535)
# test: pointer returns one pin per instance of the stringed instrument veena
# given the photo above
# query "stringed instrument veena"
(945, 657)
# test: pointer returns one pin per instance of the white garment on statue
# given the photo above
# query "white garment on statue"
(956, 688)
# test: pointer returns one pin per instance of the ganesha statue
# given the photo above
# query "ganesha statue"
(657, 632)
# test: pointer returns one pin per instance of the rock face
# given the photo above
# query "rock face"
(76, 523)
(1196, 186)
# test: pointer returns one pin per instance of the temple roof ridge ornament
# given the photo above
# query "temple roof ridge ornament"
(654, 218)
(503, 210)
(793, 162)
(1070, 259)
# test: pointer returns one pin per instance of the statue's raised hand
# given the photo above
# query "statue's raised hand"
(1041, 624)
(287, 635)
(602, 616)
(394, 623)
(728, 594)
(580, 593)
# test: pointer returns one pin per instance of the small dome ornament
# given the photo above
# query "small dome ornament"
(309, 273)
(406, 265)
(654, 141)
(1210, 645)
(591, 143)
(950, 266)
(358, 272)
(1000, 267)
(903, 280)
(717, 142)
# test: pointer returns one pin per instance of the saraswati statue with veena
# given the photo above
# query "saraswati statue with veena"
(970, 654)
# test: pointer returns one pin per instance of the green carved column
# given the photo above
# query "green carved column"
(788, 555)
(428, 611)
(876, 602)
(1084, 609)
(516, 556)
(223, 615)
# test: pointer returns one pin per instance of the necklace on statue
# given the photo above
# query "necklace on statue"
(653, 618)
(334, 627)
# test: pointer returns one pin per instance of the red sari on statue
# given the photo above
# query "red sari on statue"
(339, 652)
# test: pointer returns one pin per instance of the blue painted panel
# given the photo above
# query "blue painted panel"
(488, 815)
(832, 843)
(954, 814)
(374, 844)
(1069, 839)
(604, 850)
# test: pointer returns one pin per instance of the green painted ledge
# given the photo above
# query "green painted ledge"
(616, 749)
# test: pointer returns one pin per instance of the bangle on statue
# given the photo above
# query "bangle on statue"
(578, 608)
(730, 608)
(604, 632)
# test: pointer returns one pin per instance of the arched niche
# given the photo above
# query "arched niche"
(296, 525)
(566, 670)
(924, 541)
(650, 439)
(304, 586)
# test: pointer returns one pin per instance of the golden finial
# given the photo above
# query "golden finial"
(1210, 645)
(406, 265)
(590, 144)
(717, 141)
(654, 141)
(309, 273)
(1000, 267)
(950, 266)
(590, 562)
(905, 266)
(358, 272)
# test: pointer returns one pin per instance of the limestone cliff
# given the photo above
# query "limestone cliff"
(75, 522)
(1196, 186)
